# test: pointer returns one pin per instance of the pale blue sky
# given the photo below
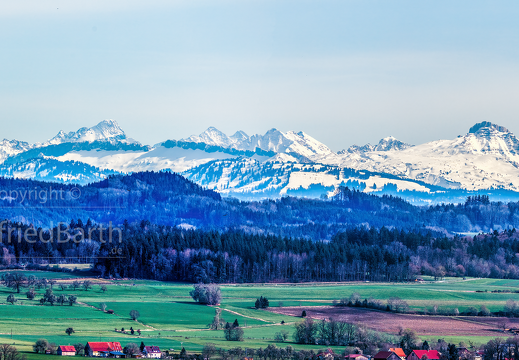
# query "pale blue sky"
(343, 71)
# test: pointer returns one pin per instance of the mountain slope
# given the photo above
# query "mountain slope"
(161, 157)
(249, 178)
(48, 169)
(485, 158)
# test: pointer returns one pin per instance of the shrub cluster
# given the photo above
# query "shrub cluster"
(261, 303)
(207, 294)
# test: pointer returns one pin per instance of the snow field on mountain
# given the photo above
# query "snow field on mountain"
(448, 168)
(373, 183)
(176, 159)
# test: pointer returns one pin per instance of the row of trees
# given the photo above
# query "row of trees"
(17, 281)
(336, 332)
(233, 332)
(48, 297)
(172, 254)
(9, 352)
(131, 331)
(500, 348)
(396, 304)
(359, 339)
(272, 352)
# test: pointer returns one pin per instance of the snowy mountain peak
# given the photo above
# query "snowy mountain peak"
(486, 137)
(212, 136)
(386, 144)
(273, 131)
(306, 145)
(390, 143)
(239, 136)
(12, 147)
(487, 126)
(106, 130)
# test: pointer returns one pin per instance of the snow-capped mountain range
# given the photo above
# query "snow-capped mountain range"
(277, 163)
(386, 144)
(107, 130)
(297, 144)
(486, 157)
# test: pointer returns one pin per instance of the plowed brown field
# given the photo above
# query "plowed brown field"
(424, 325)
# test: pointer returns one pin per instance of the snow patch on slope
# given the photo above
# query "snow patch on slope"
(160, 158)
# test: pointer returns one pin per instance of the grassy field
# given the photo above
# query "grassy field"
(169, 317)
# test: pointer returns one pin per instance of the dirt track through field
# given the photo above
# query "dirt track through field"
(424, 325)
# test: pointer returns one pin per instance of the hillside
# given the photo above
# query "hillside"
(166, 198)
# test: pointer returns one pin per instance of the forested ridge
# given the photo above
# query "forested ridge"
(169, 199)
(145, 250)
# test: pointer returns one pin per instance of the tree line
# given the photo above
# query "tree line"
(148, 251)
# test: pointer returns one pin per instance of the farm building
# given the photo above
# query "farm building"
(386, 355)
(115, 354)
(152, 352)
(418, 354)
(328, 354)
(66, 350)
(355, 357)
(463, 352)
(399, 351)
(479, 354)
(94, 349)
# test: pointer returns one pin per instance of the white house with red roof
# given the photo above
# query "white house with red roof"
(152, 352)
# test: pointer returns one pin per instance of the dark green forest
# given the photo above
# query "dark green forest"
(165, 227)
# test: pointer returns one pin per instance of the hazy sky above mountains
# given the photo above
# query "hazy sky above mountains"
(344, 72)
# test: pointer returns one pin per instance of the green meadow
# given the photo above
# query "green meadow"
(170, 319)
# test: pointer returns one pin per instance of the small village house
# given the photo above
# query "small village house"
(479, 354)
(328, 354)
(400, 352)
(152, 352)
(463, 352)
(66, 350)
(355, 357)
(386, 355)
(418, 354)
